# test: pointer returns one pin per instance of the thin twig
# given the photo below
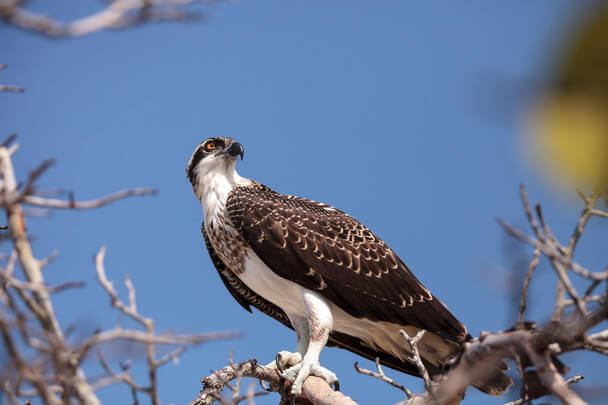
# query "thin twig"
(14, 89)
(85, 205)
(555, 261)
(416, 359)
(524, 293)
(382, 377)
(117, 14)
(574, 380)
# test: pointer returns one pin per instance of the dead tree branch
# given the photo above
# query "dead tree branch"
(40, 356)
(382, 377)
(315, 390)
(85, 205)
(527, 399)
(416, 359)
(534, 348)
(524, 292)
(116, 15)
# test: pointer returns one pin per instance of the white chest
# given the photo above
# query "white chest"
(227, 242)
(274, 288)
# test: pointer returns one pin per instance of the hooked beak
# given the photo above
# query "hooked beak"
(235, 149)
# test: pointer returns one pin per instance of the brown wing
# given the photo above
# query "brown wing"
(248, 298)
(324, 249)
(240, 291)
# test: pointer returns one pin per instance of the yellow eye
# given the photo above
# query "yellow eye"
(209, 146)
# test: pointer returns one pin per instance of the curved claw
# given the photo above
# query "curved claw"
(337, 386)
(277, 360)
(282, 389)
(264, 387)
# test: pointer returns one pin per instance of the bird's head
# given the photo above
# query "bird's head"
(214, 157)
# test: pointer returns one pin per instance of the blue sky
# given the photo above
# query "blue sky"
(402, 114)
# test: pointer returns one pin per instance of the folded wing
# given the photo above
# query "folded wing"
(328, 251)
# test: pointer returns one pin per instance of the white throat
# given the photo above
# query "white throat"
(216, 177)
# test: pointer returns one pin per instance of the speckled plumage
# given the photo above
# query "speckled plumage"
(318, 271)
(326, 250)
(239, 290)
(230, 246)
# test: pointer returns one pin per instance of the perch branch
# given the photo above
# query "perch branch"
(315, 389)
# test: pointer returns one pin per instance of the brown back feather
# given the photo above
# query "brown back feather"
(326, 250)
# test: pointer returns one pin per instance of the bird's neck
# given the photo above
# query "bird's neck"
(213, 188)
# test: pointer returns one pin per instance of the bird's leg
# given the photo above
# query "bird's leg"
(287, 359)
(320, 322)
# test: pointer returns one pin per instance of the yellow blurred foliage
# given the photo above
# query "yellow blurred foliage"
(570, 139)
(568, 123)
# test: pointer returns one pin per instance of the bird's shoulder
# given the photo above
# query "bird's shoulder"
(259, 200)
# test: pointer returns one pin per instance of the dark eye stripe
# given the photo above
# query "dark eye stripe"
(198, 156)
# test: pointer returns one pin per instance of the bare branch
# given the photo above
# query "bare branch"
(108, 286)
(551, 379)
(32, 326)
(148, 337)
(40, 303)
(11, 138)
(524, 293)
(574, 380)
(14, 89)
(118, 14)
(174, 355)
(382, 377)
(35, 175)
(599, 213)
(582, 222)
(36, 287)
(413, 343)
(46, 261)
(315, 389)
(85, 205)
(556, 260)
(528, 211)
(124, 377)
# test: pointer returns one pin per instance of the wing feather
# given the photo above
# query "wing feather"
(350, 265)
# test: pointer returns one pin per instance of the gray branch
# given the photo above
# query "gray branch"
(117, 14)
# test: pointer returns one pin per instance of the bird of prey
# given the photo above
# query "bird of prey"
(320, 272)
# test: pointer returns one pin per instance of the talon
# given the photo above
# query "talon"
(337, 385)
(282, 389)
(277, 360)
(264, 387)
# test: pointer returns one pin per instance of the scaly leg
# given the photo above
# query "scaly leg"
(319, 322)
(287, 359)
